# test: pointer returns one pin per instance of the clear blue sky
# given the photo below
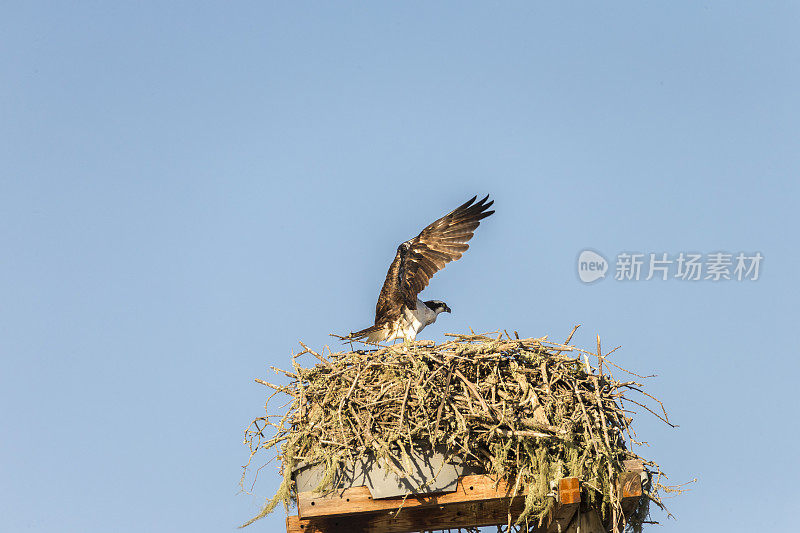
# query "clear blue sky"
(187, 190)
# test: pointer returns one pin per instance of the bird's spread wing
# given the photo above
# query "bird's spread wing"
(418, 259)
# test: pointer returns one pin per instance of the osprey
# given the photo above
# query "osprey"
(399, 312)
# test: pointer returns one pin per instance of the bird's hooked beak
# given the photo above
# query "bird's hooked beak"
(446, 309)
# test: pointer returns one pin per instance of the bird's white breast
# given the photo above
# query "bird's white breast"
(412, 322)
(417, 319)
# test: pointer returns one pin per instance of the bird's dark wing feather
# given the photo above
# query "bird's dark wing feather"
(418, 259)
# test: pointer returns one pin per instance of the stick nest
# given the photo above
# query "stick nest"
(525, 410)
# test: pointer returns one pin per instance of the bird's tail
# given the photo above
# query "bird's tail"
(371, 334)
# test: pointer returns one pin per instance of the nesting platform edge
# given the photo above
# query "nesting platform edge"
(477, 501)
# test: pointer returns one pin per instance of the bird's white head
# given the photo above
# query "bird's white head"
(437, 306)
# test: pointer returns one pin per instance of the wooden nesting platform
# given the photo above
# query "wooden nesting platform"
(475, 502)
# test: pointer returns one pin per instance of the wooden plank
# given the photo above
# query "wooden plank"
(630, 485)
(358, 500)
(562, 517)
(633, 465)
(293, 524)
(407, 520)
(630, 491)
(569, 490)
(476, 502)
(588, 522)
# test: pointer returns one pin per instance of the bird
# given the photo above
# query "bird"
(399, 312)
